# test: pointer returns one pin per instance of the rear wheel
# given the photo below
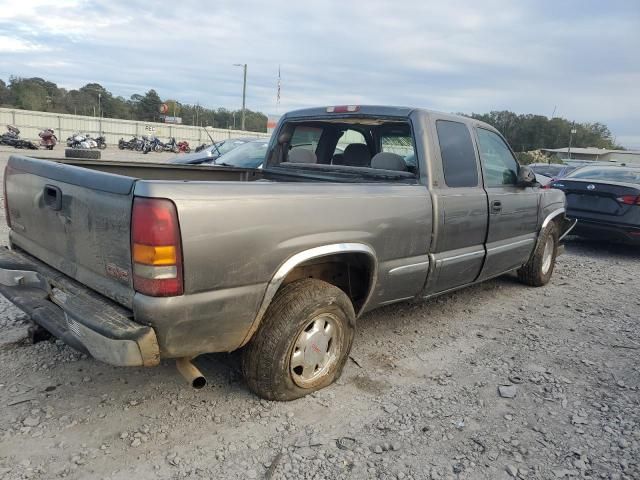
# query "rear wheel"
(302, 343)
(538, 270)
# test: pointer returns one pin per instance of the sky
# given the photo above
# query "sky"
(577, 58)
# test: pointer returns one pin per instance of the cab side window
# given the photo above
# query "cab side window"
(500, 168)
(458, 156)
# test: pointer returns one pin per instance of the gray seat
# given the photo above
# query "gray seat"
(389, 161)
(302, 155)
(356, 155)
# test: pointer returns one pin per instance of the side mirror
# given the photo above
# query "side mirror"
(526, 177)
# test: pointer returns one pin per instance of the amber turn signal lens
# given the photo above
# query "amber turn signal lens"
(154, 255)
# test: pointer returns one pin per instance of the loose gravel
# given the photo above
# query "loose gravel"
(497, 381)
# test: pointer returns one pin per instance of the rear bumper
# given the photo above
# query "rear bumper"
(608, 231)
(77, 315)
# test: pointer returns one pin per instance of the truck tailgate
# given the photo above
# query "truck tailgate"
(74, 219)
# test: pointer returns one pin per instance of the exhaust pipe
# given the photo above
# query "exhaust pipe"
(191, 373)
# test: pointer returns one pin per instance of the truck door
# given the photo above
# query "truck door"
(513, 210)
(460, 209)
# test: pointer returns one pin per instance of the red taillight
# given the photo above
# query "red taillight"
(7, 171)
(156, 251)
(343, 109)
(629, 199)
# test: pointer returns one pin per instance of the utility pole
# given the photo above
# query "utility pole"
(573, 130)
(244, 89)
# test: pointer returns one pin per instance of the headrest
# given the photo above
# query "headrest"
(389, 161)
(302, 155)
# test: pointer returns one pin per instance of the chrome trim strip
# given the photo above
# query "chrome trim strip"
(304, 256)
(457, 257)
(389, 302)
(551, 216)
(568, 230)
(510, 245)
(413, 266)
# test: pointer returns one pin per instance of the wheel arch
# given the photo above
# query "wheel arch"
(323, 262)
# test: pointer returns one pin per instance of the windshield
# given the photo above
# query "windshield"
(226, 146)
(249, 155)
(607, 174)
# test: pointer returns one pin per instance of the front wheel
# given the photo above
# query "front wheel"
(102, 146)
(538, 270)
(302, 343)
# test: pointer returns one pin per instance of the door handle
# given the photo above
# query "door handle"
(496, 206)
(52, 197)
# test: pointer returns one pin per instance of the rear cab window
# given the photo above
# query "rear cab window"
(458, 155)
(368, 147)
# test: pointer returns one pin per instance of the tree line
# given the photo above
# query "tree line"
(532, 132)
(95, 100)
(524, 132)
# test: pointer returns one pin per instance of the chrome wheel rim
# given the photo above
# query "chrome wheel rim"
(547, 256)
(315, 350)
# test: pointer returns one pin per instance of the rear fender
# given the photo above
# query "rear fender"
(304, 256)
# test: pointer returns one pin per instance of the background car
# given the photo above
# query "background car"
(605, 200)
(546, 172)
(211, 152)
(249, 155)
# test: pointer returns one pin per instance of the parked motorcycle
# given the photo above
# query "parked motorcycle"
(79, 140)
(126, 144)
(199, 148)
(171, 146)
(183, 147)
(154, 144)
(12, 138)
(48, 138)
(101, 141)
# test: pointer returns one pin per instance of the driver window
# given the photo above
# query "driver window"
(500, 168)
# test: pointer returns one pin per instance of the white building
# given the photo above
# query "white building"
(629, 157)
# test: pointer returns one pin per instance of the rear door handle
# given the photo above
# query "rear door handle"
(496, 206)
(52, 197)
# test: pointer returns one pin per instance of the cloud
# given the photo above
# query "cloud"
(530, 56)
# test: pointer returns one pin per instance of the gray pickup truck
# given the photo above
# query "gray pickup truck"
(355, 207)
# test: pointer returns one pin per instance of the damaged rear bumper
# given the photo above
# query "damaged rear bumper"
(77, 315)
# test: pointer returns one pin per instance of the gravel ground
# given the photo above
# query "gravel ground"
(494, 381)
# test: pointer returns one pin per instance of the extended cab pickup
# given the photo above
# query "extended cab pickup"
(354, 208)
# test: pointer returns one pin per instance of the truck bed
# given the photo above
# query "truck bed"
(162, 171)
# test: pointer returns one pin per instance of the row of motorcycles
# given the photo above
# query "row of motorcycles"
(146, 144)
(80, 140)
(12, 138)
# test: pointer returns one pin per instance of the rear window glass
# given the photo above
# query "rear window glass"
(458, 156)
(607, 174)
(306, 137)
(351, 147)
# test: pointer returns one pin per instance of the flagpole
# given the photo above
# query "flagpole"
(278, 93)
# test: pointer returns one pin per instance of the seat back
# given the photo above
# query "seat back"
(357, 155)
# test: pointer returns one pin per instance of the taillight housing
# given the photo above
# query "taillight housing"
(7, 171)
(156, 250)
(629, 199)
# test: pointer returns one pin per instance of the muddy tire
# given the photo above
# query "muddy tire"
(302, 343)
(538, 270)
(81, 153)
